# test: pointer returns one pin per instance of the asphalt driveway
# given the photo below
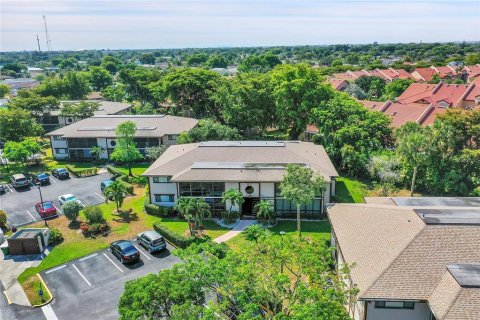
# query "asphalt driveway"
(90, 287)
(20, 204)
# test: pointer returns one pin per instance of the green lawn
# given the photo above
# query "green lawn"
(350, 190)
(316, 230)
(124, 225)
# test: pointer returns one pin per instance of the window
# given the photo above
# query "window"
(216, 204)
(143, 143)
(171, 137)
(161, 179)
(61, 151)
(164, 198)
(58, 138)
(201, 189)
(394, 305)
(82, 142)
(80, 154)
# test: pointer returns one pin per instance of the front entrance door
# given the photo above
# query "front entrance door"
(248, 206)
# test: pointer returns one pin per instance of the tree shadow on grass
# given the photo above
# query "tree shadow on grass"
(125, 216)
(74, 225)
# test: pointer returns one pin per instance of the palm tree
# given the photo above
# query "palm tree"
(265, 211)
(185, 206)
(116, 192)
(234, 196)
(201, 210)
(254, 232)
(96, 151)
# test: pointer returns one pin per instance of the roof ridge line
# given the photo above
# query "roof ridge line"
(396, 258)
(453, 300)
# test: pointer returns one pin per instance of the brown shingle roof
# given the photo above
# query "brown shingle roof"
(466, 306)
(421, 266)
(104, 126)
(222, 161)
(372, 237)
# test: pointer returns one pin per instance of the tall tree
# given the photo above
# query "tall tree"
(412, 146)
(75, 85)
(396, 87)
(259, 63)
(37, 105)
(99, 78)
(17, 124)
(126, 148)
(300, 185)
(82, 109)
(190, 90)
(297, 89)
(4, 90)
(247, 103)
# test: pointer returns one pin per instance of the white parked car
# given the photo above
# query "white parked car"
(68, 197)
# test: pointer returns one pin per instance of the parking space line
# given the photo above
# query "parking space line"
(88, 257)
(143, 253)
(31, 215)
(81, 275)
(49, 313)
(58, 209)
(57, 268)
(53, 180)
(9, 188)
(100, 196)
(112, 262)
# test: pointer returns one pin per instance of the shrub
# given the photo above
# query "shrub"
(177, 239)
(113, 170)
(71, 209)
(84, 227)
(56, 236)
(3, 219)
(82, 172)
(127, 186)
(230, 217)
(158, 211)
(93, 215)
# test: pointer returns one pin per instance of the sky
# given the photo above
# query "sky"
(151, 24)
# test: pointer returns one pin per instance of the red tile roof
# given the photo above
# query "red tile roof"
(433, 93)
(403, 113)
(380, 74)
(402, 74)
(372, 105)
(445, 71)
(426, 73)
(430, 117)
(473, 92)
(338, 84)
(473, 71)
(312, 128)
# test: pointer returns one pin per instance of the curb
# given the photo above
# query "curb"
(47, 289)
(6, 296)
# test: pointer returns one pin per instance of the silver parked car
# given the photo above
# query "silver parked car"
(152, 241)
(19, 180)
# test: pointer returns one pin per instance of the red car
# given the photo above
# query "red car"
(47, 210)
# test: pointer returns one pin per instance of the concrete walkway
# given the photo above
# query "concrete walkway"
(11, 267)
(242, 225)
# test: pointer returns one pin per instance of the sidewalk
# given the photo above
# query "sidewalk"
(242, 225)
(11, 268)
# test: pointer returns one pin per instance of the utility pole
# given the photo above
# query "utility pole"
(38, 43)
(47, 36)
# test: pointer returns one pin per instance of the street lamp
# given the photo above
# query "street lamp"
(282, 233)
(41, 203)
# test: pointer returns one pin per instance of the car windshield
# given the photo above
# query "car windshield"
(47, 205)
(107, 182)
(42, 175)
(21, 179)
(62, 170)
(70, 198)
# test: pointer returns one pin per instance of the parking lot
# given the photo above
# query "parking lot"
(20, 203)
(90, 287)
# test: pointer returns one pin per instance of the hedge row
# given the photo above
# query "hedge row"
(177, 239)
(158, 211)
(83, 172)
(123, 179)
(113, 170)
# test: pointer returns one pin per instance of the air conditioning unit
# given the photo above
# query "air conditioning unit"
(112, 143)
(69, 120)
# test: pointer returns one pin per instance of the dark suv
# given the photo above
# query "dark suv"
(125, 251)
(41, 178)
(60, 173)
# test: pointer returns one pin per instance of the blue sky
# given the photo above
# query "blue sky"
(115, 24)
